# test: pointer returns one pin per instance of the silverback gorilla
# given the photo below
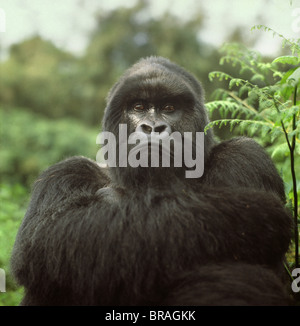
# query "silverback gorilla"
(95, 235)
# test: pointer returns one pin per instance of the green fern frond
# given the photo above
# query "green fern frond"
(288, 113)
(249, 127)
(262, 107)
(231, 59)
(281, 150)
(287, 59)
(226, 107)
(220, 75)
(257, 78)
(244, 89)
(236, 82)
(294, 44)
(221, 123)
(220, 94)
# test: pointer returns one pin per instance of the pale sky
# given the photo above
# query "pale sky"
(67, 23)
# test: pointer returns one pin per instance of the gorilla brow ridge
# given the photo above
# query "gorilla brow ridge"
(138, 85)
(168, 66)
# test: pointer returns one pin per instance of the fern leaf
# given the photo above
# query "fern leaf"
(287, 59)
(281, 150)
(294, 78)
(257, 78)
(235, 82)
(244, 89)
(226, 107)
(220, 75)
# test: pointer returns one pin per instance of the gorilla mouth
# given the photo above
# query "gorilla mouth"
(154, 149)
(154, 154)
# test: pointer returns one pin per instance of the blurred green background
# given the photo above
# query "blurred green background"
(52, 100)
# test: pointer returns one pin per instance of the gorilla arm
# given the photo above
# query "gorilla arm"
(51, 236)
(241, 162)
(79, 247)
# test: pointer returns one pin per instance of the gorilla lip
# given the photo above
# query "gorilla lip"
(158, 145)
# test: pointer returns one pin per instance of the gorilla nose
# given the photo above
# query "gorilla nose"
(161, 127)
(148, 127)
(145, 128)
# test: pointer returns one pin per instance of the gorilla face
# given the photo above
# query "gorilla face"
(156, 97)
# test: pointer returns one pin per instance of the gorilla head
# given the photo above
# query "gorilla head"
(155, 96)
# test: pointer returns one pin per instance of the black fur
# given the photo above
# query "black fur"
(148, 236)
(228, 284)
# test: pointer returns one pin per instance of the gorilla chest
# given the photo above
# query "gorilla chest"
(156, 227)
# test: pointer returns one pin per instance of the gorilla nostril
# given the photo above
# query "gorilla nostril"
(161, 128)
(146, 128)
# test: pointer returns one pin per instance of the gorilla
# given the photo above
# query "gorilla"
(96, 234)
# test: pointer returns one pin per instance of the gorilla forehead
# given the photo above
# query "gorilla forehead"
(154, 78)
(154, 87)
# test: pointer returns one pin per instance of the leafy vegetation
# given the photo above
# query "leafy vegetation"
(44, 79)
(14, 200)
(266, 105)
(32, 143)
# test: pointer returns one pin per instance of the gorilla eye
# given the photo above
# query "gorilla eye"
(138, 107)
(168, 108)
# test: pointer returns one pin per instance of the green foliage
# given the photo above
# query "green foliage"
(10, 216)
(30, 144)
(265, 105)
(39, 76)
(42, 78)
(287, 59)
